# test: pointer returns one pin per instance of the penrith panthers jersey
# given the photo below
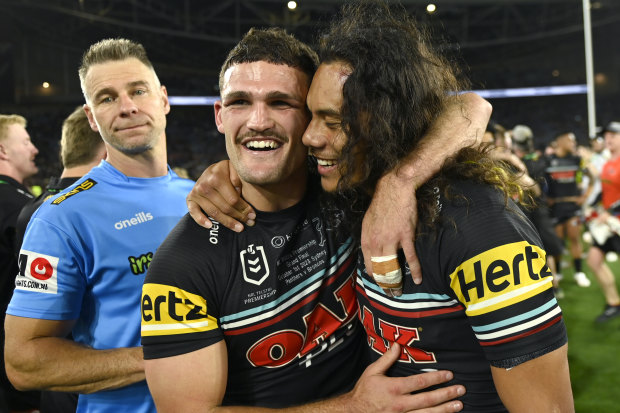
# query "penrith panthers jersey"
(84, 258)
(281, 294)
(485, 299)
(564, 175)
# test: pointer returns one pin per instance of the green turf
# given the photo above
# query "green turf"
(593, 348)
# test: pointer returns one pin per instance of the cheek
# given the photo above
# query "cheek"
(336, 140)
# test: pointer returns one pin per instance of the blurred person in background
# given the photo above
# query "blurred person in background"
(594, 158)
(605, 228)
(535, 164)
(81, 149)
(564, 173)
(17, 162)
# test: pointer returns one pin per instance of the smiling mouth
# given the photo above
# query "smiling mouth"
(262, 145)
(325, 162)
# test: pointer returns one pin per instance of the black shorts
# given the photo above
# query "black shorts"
(611, 245)
(563, 211)
(542, 221)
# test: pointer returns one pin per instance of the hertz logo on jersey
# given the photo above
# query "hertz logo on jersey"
(168, 310)
(84, 186)
(500, 277)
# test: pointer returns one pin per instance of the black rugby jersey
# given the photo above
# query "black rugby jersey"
(280, 293)
(563, 176)
(485, 299)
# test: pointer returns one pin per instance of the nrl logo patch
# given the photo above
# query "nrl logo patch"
(254, 264)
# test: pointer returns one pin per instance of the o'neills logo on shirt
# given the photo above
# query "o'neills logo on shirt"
(139, 218)
(84, 186)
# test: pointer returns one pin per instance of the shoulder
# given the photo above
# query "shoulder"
(476, 213)
(472, 198)
(190, 241)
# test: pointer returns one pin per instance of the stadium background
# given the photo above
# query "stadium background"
(500, 44)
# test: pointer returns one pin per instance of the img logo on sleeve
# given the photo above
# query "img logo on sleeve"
(37, 272)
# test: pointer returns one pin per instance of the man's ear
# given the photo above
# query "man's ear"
(164, 93)
(4, 155)
(217, 107)
(91, 119)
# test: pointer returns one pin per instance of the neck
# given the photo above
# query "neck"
(78, 171)
(149, 164)
(278, 196)
(11, 173)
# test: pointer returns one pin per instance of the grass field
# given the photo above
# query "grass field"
(593, 348)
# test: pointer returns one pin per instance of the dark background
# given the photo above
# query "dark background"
(501, 44)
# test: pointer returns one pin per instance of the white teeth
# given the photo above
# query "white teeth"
(262, 144)
(326, 162)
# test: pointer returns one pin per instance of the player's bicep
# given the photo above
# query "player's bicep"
(538, 385)
(191, 382)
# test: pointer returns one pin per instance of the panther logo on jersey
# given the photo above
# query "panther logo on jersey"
(254, 264)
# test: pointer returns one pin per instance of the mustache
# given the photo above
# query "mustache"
(265, 134)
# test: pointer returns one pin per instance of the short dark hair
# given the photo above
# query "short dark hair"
(79, 144)
(108, 50)
(273, 45)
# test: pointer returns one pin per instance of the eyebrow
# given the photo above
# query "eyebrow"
(240, 94)
(329, 112)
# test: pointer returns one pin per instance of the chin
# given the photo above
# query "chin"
(329, 185)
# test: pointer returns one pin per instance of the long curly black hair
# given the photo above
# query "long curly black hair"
(398, 85)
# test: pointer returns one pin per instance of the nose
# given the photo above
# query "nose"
(260, 118)
(127, 105)
(312, 137)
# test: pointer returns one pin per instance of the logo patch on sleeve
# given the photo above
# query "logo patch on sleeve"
(168, 310)
(500, 277)
(37, 272)
(84, 186)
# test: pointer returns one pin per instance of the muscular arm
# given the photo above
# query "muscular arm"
(539, 385)
(38, 356)
(196, 382)
(391, 219)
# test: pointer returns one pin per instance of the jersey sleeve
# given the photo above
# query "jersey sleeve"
(179, 303)
(50, 283)
(497, 270)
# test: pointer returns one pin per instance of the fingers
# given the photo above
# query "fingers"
(387, 274)
(383, 363)
(201, 207)
(223, 196)
(435, 401)
(198, 215)
(422, 381)
(412, 260)
(217, 194)
(442, 400)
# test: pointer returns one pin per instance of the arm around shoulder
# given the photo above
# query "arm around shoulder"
(196, 382)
